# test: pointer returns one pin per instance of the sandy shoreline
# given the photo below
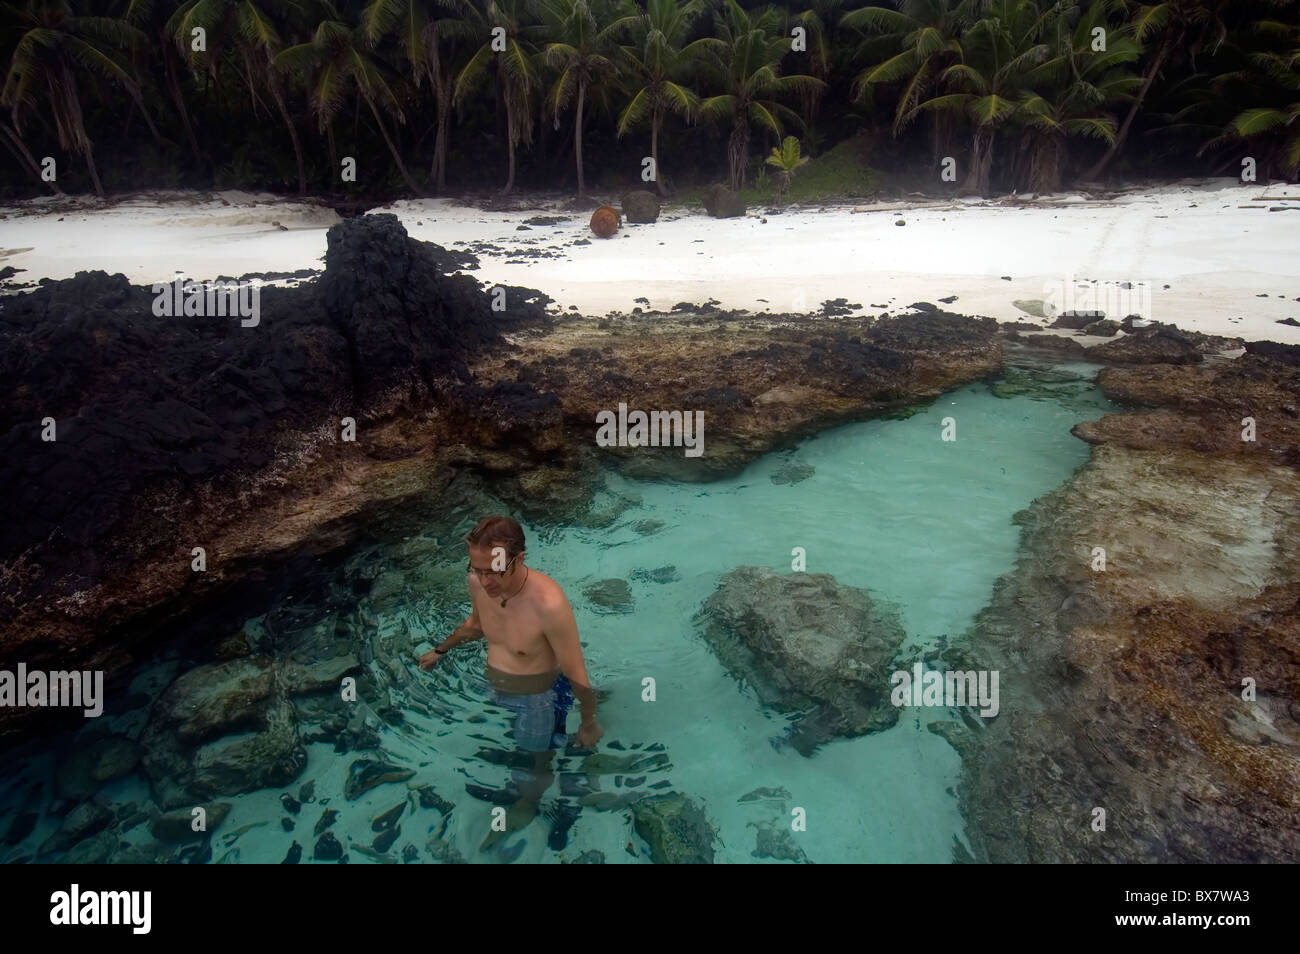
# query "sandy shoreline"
(1227, 251)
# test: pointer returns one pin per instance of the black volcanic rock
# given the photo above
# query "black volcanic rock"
(147, 409)
(404, 321)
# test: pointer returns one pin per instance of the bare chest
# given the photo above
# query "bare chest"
(514, 635)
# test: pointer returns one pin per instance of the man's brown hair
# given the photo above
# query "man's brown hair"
(498, 531)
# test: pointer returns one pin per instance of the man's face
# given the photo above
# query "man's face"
(481, 558)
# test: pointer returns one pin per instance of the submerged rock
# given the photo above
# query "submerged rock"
(776, 841)
(91, 765)
(592, 857)
(611, 594)
(83, 821)
(384, 840)
(793, 472)
(221, 729)
(178, 826)
(328, 848)
(387, 819)
(365, 774)
(1044, 384)
(675, 828)
(661, 574)
(94, 850)
(804, 640)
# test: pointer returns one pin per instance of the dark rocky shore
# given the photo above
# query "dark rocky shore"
(1121, 688)
(1164, 689)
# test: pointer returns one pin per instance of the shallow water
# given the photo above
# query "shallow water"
(921, 523)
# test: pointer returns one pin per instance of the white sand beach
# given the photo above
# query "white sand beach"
(1216, 256)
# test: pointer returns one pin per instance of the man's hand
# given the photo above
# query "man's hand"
(589, 734)
(430, 659)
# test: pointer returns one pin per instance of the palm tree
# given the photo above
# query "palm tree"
(335, 64)
(749, 70)
(1180, 26)
(250, 32)
(430, 40)
(1280, 120)
(926, 34)
(659, 60)
(817, 22)
(1068, 93)
(582, 50)
(148, 17)
(786, 160)
(513, 69)
(55, 51)
(990, 81)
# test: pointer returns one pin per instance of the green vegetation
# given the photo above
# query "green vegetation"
(840, 173)
(974, 96)
(786, 160)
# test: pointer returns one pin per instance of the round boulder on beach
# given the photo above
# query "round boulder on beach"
(604, 221)
(641, 206)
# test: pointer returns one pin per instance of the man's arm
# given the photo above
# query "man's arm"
(561, 631)
(464, 633)
(468, 630)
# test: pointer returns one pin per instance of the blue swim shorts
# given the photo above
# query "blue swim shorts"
(540, 718)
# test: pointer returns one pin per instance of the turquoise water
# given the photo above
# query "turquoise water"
(888, 506)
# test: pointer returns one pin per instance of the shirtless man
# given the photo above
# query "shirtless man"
(534, 656)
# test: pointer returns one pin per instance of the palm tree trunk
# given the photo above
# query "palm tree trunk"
(438, 172)
(334, 156)
(508, 102)
(1092, 174)
(293, 133)
(656, 120)
(73, 122)
(401, 166)
(15, 145)
(736, 146)
(89, 153)
(981, 160)
(577, 139)
(174, 88)
(440, 147)
(1047, 160)
(510, 176)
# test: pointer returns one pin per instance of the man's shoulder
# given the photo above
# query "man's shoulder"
(550, 593)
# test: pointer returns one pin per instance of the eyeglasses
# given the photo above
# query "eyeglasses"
(471, 568)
